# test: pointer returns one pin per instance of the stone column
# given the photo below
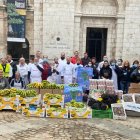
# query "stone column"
(119, 37)
(29, 28)
(38, 25)
(77, 21)
(3, 30)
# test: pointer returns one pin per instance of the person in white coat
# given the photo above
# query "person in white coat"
(62, 61)
(57, 69)
(35, 71)
(68, 72)
(22, 68)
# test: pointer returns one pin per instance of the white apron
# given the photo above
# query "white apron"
(68, 73)
(35, 74)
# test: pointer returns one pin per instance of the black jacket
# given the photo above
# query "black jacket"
(125, 74)
(106, 72)
(135, 76)
(85, 61)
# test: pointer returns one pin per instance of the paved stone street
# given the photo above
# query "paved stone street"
(14, 126)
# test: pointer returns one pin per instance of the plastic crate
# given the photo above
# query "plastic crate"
(102, 113)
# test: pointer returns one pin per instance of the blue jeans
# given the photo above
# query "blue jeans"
(124, 86)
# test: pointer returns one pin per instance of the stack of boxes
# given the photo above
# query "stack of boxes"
(54, 105)
(105, 85)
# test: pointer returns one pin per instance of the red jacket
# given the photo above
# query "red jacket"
(46, 72)
(74, 60)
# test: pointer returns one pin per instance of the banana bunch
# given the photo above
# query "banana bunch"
(52, 96)
(57, 109)
(75, 104)
(73, 85)
(45, 85)
(4, 92)
(35, 85)
(27, 93)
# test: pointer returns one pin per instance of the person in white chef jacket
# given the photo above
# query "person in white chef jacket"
(68, 72)
(57, 69)
(22, 68)
(62, 61)
(35, 71)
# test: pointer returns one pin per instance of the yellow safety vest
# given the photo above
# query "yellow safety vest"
(7, 70)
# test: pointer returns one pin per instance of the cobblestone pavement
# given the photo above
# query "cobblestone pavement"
(16, 127)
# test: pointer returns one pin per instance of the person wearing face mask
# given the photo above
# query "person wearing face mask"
(125, 77)
(35, 71)
(76, 66)
(68, 72)
(135, 76)
(135, 65)
(115, 74)
(106, 71)
(105, 58)
(119, 63)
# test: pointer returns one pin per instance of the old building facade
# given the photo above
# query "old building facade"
(100, 27)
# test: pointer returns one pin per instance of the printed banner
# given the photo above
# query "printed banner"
(83, 75)
(16, 20)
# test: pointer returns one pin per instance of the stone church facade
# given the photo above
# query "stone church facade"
(55, 26)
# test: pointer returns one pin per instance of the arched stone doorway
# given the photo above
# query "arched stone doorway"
(103, 14)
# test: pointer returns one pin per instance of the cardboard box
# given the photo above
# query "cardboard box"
(57, 91)
(92, 87)
(39, 112)
(19, 108)
(118, 112)
(134, 90)
(93, 82)
(101, 87)
(85, 113)
(109, 83)
(135, 85)
(47, 102)
(43, 91)
(30, 100)
(56, 114)
(101, 82)
(9, 103)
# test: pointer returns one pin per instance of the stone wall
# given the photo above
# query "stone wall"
(58, 27)
(99, 7)
(131, 42)
(3, 31)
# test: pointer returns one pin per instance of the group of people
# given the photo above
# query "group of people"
(63, 70)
